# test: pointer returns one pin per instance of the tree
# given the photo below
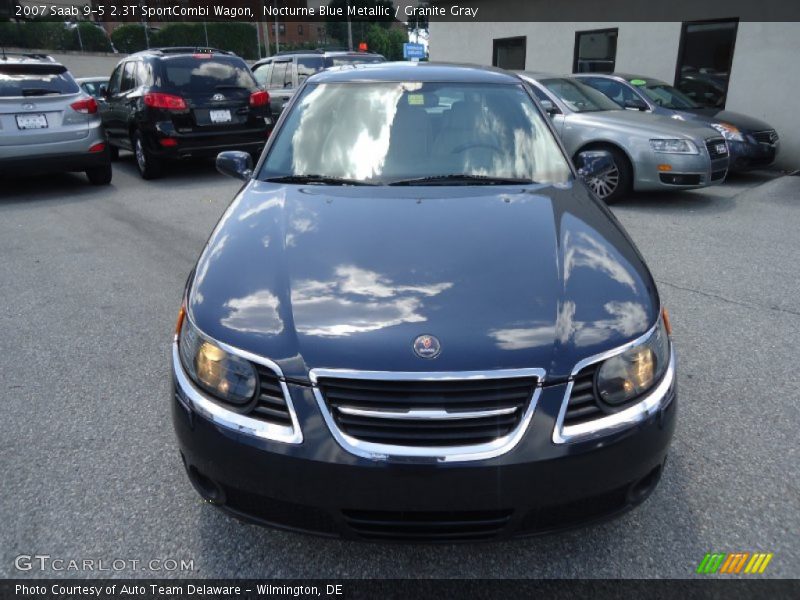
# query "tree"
(337, 27)
(397, 37)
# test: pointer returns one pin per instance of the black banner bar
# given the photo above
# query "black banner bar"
(248, 589)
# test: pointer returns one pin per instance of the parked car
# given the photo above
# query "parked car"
(752, 142)
(650, 152)
(176, 103)
(47, 123)
(93, 86)
(282, 74)
(416, 322)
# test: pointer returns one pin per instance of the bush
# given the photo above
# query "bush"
(129, 38)
(47, 35)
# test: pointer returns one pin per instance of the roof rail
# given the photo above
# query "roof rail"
(38, 56)
(291, 52)
(188, 49)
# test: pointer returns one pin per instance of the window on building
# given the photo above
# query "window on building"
(595, 51)
(704, 61)
(509, 53)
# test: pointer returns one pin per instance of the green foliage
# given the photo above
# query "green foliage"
(337, 29)
(397, 37)
(129, 38)
(92, 37)
(47, 35)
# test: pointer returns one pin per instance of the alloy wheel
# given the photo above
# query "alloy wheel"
(606, 184)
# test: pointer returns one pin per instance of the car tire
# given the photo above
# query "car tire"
(148, 165)
(617, 183)
(99, 175)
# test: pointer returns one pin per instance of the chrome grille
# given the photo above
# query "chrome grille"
(717, 148)
(769, 136)
(427, 413)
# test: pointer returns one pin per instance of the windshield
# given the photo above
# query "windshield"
(188, 74)
(668, 96)
(35, 80)
(387, 132)
(578, 96)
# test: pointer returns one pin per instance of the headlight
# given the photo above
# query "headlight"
(728, 131)
(674, 146)
(632, 373)
(221, 374)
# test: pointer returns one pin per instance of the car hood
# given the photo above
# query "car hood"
(741, 121)
(348, 277)
(644, 123)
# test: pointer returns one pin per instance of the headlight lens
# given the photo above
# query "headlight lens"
(632, 373)
(729, 132)
(225, 376)
(674, 146)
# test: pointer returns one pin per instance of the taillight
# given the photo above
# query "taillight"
(260, 98)
(168, 142)
(98, 147)
(86, 107)
(167, 101)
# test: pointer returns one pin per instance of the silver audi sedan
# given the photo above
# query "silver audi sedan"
(650, 152)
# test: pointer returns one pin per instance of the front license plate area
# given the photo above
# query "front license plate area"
(219, 116)
(32, 121)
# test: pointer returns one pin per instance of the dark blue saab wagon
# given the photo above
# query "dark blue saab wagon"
(415, 322)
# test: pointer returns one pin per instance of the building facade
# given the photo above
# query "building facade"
(743, 66)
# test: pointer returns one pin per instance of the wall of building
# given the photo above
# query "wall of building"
(764, 81)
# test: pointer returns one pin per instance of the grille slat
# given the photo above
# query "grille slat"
(435, 526)
(766, 137)
(712, 146)
(450, 395)
(271, 405)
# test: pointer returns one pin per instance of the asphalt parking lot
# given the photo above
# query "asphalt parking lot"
(91, 281)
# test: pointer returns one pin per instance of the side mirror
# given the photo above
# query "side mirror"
(550, 108)
(235, 164)
(634, 104)
(104, 92)
(594, 163)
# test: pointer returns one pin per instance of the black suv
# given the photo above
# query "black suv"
(282, 74)
(174, 103)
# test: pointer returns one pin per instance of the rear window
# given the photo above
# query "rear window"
(35, 80)
(189, 74)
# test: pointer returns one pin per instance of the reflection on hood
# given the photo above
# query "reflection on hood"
(355, 301)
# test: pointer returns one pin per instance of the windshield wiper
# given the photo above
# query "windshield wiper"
(461, 179)
(317, 179)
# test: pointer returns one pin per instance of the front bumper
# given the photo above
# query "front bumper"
(686, 171)
(752, 155)
(315, 485)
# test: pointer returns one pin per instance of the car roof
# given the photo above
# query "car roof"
(411, 71)
(627, 77)
(19, 58)
(323, 53)
(170, 51)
